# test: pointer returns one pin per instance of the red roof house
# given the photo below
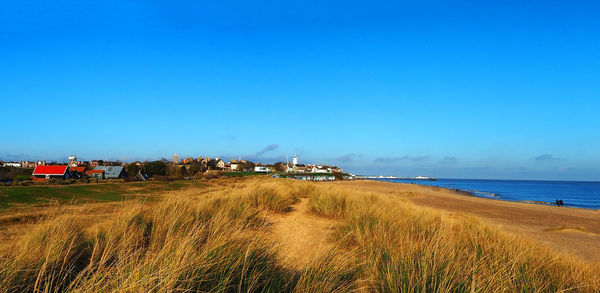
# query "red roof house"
(43, 173)
(77, 169)
(96, 173)
(77, 172)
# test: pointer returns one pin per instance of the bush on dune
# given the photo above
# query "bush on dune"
(272, 197)
(329, 204)
(47, 258)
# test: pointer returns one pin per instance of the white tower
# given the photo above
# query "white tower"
(72, 160)
(295, 160)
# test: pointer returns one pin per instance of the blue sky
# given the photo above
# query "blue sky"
(441, 88)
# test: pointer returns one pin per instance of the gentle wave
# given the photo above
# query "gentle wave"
(574, 193)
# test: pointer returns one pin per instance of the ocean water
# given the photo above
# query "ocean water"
(580, 194)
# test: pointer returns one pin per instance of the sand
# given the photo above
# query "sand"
(303, 236)
(569, 230)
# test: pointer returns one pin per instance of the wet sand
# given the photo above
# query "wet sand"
(570, 230)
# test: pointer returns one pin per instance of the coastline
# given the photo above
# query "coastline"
(575, 194)
(567, 229)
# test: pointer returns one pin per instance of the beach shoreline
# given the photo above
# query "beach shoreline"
(569, 230)
(571, 193)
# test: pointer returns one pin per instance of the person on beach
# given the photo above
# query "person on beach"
(557, 202)
(562, 203)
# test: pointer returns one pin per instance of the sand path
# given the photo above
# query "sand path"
(302, 235)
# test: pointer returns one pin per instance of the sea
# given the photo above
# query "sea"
(579, 194)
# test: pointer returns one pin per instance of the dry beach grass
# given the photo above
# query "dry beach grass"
(270, 235)
(570, 230)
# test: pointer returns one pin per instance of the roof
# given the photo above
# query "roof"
(142, 175)
(110, 171)
(50, 170)
(214, 162)
(78, 169)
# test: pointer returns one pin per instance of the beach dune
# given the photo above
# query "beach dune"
(571, 230)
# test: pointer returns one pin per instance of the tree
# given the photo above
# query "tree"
(132, 169)
(247, 166)
(279, 167)
(176, 171)
(155, 168)
(196, 167)
(183, 171)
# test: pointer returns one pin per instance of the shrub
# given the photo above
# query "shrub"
(155, 168)
(270, 197)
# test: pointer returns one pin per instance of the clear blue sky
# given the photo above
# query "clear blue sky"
(441, 88)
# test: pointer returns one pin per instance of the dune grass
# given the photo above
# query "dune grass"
(220, 241)
(404, 248)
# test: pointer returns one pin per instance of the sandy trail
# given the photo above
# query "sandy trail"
(302, 235)
(570, 230)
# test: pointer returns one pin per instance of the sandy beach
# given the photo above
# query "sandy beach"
(570, 230)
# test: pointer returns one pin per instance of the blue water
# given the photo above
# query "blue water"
(574, 193)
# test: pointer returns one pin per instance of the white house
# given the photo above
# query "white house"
(321, 169)
(261, 169)
(11, 164)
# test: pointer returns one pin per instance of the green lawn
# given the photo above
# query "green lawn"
(242, 174)
(44, 194)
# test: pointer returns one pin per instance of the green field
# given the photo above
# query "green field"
(242, 174)
(46, 194)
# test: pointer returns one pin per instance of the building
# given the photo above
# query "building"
(262, 169)
(112, 172)
(314, 177)
(215, 164)
(175, 159)
(77, 172)
(43, 173)
(141, 176)
(72, 160)
(320, 169)
(27, 164)
(299, 168)
(98, 174)
(11, 164)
